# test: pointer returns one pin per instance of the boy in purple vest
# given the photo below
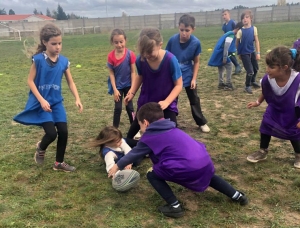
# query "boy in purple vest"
(296, 44)
(176, 157)
(246, 50)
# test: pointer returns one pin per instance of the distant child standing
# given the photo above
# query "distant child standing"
(187, 48)
(121, 66)
(112, 146)
(228, 26)
(158, 73)
(177, 158)
(220, 57)
(281, 90)
(247, 51)
(45, 103)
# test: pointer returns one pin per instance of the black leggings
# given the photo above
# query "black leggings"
(50, 135)
(167, 194)
(135, 127)
(265, 141)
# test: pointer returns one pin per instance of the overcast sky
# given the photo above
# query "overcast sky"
(114, 8)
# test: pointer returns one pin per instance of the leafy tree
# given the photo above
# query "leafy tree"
(40, 13)
(2, 12)
(11, 12)
(35, 12)
(48, 13)
(61, 15)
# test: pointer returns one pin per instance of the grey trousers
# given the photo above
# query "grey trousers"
(221, 69)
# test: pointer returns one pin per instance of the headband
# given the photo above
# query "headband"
(294, 53)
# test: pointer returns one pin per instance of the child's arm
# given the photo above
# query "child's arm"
(195, 71)
(30, 81)
(135, 85)
(73, 89)
(256, 103)
(227, 44)
(257, 46)
(110, 160)
(173, 95)
(113, 84)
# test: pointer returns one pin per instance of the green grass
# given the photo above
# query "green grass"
(34, 196)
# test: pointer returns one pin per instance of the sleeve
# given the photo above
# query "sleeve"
(227, 44)
(110, 60)
(175, 69)
(198, 49)
(255, 31)
(138, 152)
(233, 25)
(125, 147)
(138, 65)
(239, 34)
(110, 160)
(132, 57)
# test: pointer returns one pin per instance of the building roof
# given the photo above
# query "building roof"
(22, 17)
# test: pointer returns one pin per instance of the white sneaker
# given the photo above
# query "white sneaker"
(205, 128)
(137, 136)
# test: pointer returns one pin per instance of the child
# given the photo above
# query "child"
(228, 26)
(187, 48)
(121, 66)
(220, 57)
(280, 89)
(112, 146)
(177, 158)
(158, 73)
(45, 103)
(246, 50)
(296, 44)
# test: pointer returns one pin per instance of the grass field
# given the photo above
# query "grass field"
(37, 196)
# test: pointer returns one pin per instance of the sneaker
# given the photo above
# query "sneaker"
(171, 211)
(221, 86)
(39, 155)
(255, 85)
(64, 167)
(229, 87)
(258, 156)
(248, 90)
(242, 199)
(205, 128)
(297, 161)
(238, 70)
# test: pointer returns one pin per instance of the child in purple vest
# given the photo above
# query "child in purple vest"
(248, 53)
(296, 44)
(159, 75)
(177, 158)
(281, 90)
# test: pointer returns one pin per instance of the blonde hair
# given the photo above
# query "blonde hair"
(148, 39)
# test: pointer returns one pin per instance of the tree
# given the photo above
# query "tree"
(48, 13)
(11, 12)
(2, 12)
(54, 14)
(240, 7)
(35, 12)
(41, 13)
(61, 15)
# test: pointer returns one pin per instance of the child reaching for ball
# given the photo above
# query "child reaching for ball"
(112, 146)
(176, 157)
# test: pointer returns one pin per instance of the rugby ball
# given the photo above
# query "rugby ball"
(125, 180)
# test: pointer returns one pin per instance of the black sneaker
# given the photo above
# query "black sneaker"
(221, 86)
(228, 87)
(171, 211)
(242, 199)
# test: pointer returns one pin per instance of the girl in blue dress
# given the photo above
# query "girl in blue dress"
(45, 102)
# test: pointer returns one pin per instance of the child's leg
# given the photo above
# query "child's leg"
(118, 110)
(261, 154)
(296, 146)
(62, 139)
(255, 70)
(224, 187)
(134, 128)
(246, 59)
(228, 68)
(170, 115)
(195, 106)
(129, 106)
(221, 80)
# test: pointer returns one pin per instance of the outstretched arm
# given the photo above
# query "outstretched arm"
(256, 103)
(73, 89)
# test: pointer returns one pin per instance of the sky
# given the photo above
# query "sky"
(114, 8)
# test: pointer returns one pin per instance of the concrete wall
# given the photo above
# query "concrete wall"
(161, 21)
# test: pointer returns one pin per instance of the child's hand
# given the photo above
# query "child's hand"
(112, 171)
(252, 104)
(79, 105)
(45, 106)
(117, 95)
(298, 125)
(257, 56)
(164, 104)
(128, 97)
(128, 166)
(193, 84)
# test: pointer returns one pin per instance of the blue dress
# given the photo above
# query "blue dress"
(48, 82)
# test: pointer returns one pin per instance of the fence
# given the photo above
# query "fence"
(161, 21)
